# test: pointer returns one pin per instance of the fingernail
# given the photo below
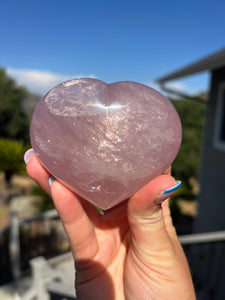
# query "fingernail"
(28, 155)
(50, 180)
(167, 193)
(101, 211)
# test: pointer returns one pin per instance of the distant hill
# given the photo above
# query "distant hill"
(30, 102)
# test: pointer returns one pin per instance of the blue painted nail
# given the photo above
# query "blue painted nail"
(50, 180)
(167, 193)
(172, 189)
(28, 155)
(101, 211)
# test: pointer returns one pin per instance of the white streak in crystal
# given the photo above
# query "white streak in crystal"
(73, 82)
(113, 106)
(69, 83)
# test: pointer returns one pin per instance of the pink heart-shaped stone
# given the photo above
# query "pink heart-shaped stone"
(105, 141)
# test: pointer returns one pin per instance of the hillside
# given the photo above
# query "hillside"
(30, 102)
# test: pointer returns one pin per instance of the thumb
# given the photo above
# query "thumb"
(146, 218)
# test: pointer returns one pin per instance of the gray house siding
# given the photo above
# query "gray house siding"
(212, 168)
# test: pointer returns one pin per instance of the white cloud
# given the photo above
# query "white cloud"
(38, 81)
(175, 86)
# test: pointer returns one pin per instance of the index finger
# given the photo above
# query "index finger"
(78, 226)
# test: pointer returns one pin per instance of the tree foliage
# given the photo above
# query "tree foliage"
(186, 164)
(14, 121)
(11, 157)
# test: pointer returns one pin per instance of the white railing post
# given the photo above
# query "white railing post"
(42, 274)
(14, 246)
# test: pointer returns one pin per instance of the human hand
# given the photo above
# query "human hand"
(132, 252)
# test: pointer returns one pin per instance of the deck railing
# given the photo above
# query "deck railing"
(43, 235)
(22, 240)
(206, 256)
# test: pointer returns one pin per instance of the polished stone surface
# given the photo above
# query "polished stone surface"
(105, 141)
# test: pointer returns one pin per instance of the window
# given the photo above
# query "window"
(219, 140)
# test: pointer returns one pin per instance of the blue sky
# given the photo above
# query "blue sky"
(45, 42)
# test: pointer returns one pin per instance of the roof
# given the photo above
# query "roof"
(210, 62)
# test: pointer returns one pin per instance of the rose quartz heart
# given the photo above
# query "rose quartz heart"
(105, 141)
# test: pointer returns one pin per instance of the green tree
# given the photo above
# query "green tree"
(186, 164)
(11, 158)
(14, 121)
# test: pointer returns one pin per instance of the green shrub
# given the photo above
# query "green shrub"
(186, 164)
(45, 203)
(11, 157)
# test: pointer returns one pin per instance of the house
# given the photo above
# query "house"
(211, 199)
